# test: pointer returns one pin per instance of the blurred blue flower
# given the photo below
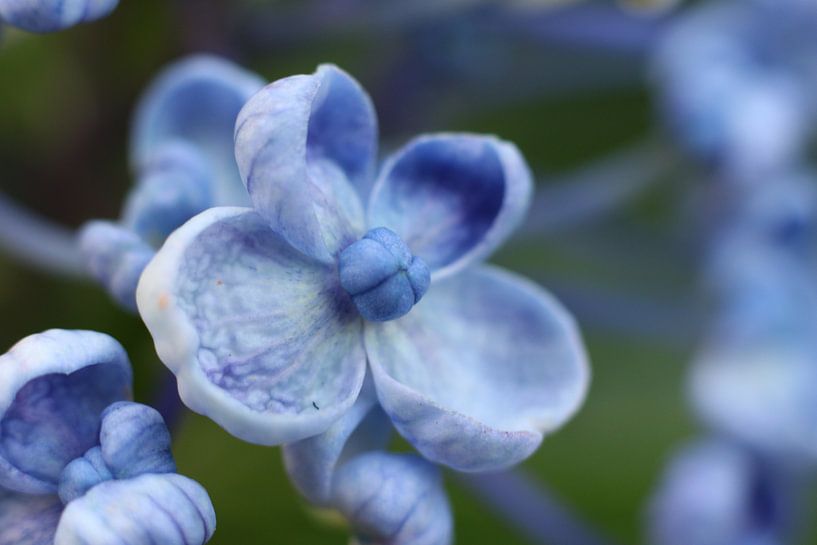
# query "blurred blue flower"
(182, 153)
(258, 310)
(51, 15)
(78, 463)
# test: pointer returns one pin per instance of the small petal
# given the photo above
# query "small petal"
(82, 474)
(453, 198)
(28, 520)
(116, 258)
(262, 339)
(311, 463)
(392, 499)
(135, 440)
(197, 100)
(51, 15)
(482, 368)
(150, 509)
(304, 144)
(53, 389)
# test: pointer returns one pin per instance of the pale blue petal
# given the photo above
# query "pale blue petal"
(197, 99)
(311, 463)
(174, 185)
(28, 520)
(304, 144)
(82, 474)
(262, 339)
(480, 370)
(51, 15)
(164, 509)
(115, 257)
(53, 389)
(453, 198)
(135, 440)
(392, 499)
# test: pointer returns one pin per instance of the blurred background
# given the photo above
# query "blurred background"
(620, 231)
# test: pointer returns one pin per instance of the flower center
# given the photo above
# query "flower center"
(382, 276)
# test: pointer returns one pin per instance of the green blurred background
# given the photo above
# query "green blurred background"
(65, 106)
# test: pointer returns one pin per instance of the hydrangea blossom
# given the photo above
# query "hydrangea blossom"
(181, 152)
(51, 15)
(269, 316)
(79, 463)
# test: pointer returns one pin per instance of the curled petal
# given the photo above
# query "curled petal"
(53, 389)
(453, 198)
(82, 474)
(169, 509)
(303, 144)
(116, 258)
(135, 440)
(392, 499)
(196, 100)
(262, 339)
(51, 15)
(28, 520)
(311, 463)
(480, 370)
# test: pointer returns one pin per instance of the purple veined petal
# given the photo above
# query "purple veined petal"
(480, 370)
(311, 463)
(453, 198)
(134, 440)
(52, 15)
(262, 338)
(53, 389)
(28, 520)
(392, 499)
(115, 257)
(169, 509)
(306, 147)
(197, 100)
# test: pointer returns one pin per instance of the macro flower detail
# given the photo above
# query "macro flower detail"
(182, 154)
(268, 315)
(79, 463)
(52, 15)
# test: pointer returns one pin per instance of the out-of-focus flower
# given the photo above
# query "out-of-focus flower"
(52, 15)
(78, 463)
(259, 310)
(182, 153)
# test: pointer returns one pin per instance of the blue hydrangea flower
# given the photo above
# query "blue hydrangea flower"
(79, 463)
(269, 316)
(182, 154)
(51, 15)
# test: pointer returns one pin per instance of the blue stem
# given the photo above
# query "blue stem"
(38, 242)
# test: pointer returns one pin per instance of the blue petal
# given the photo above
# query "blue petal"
(174, 186)
(169, 509)
(82, 474)
(453, 198)
(311, 463)
(262, 339)
(115, 257)
(480, 370)
(303, 145)
(135, 440)
(197, 100)
(392, 499)
(28, 520)
(51, 15)
(53, 389)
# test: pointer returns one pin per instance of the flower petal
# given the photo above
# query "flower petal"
(484, 366)
(51, 15)
(197, 100)
(393, 499)
(262, 339)
(311, 463)
(53, 389)
(135, 441)
(28, 520)
(453, 198)
(303, 144)
(169, 509)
